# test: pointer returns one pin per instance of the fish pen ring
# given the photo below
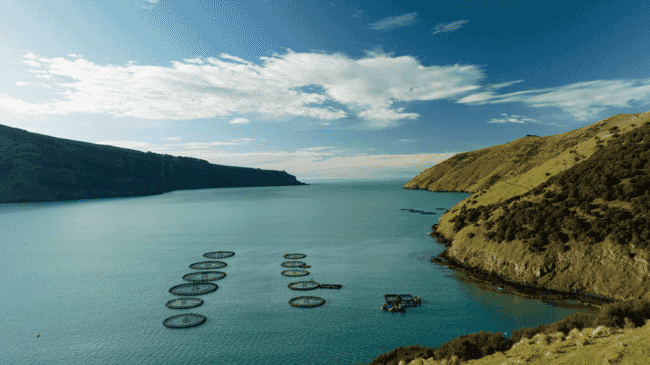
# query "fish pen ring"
(184, 320)
(184, 303)
(205, 276)
(193, 289)
(219, 254)
(295, 272)
(307, 302)
(304, 285)
(207, 265)
(293, 264)
(294, 256)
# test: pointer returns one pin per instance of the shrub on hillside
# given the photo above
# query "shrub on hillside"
(614, 314)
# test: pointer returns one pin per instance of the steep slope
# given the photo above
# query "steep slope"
(35, 167)
(571, 214)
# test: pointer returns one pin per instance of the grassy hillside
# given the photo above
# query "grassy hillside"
(35, 167)
(569, 212)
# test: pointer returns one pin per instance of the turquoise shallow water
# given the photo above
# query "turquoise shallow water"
(92, 277)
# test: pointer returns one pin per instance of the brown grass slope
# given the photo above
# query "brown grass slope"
(36, 167)
(568, 212)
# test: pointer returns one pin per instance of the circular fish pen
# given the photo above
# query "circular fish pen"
(304, 285)
(184, 303)
(293, 264)
(219, 254)
(307, 302)
(295, 272)
(294, 256)
(207, 265)
(184, 320)
(204, 276)
(193, 289)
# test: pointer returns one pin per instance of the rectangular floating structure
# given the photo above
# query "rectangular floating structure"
(330, 286)
(392, 298)
(406, 300)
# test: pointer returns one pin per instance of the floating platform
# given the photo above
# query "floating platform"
(197, 288)
(295, 272)
(205, 276)
(294, 256)
(307, 302)
(304, 285)
(184, 303)
(293, 264)
(330, 286)
(401, 300)
(207, 265)
(184, 320)
(219, 254)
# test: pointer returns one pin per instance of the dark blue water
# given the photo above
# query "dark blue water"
(92, 277)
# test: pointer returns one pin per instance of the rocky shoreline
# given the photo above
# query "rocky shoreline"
(555, 297)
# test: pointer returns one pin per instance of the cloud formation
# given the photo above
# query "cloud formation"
(505, 118)
(395, 22)
(364, 88)
(450, 27)
(584, 100)
(239, 121)
(326, 162)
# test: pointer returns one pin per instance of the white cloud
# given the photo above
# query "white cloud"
(407, 140)
(504, 84)
(32, 63)
(74, 55)
(314, 149)
(226, 56)
(22, 83)
(31, 55)
(203, 144)
(326, 163)
(239, 121)
(505, 118)
(368, 87)
(395, 22)
(450, 27)
(582, 100)
(170, 139)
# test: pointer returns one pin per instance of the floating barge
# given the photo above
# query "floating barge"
(330, 286)
(397, 302)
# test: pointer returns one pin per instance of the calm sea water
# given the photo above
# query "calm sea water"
(92, 277)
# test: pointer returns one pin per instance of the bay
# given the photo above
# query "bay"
(92, 277)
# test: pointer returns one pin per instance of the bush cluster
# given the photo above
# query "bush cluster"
(618, 172)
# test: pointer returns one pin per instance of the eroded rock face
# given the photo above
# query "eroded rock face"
(602, 269)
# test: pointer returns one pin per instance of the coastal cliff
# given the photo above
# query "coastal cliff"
(35, 167)
(568, 212)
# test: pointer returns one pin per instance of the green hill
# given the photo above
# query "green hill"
(35, 167)
(568, 212)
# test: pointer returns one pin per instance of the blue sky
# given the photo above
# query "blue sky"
(321, 89)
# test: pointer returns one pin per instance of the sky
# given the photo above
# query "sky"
(340, 89)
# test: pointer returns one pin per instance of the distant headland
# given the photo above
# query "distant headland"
(36, 168)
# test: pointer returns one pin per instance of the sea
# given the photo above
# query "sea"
(87, 282)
